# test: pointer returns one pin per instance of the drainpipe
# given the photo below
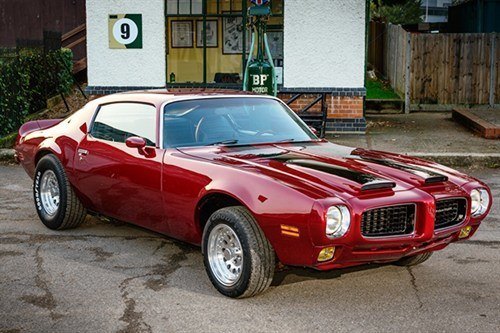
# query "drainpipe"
(367, 31)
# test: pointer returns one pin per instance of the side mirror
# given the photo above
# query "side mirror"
(315, 131)
(136, 142)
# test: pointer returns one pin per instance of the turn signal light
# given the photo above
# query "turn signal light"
(326, 254)
(465, 232)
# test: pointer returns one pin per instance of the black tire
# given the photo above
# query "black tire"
(70, 213)
(413, 260)
(258, 255)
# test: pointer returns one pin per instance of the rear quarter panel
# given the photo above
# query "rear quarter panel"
(60, 139)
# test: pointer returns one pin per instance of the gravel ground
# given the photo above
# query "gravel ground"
(106, 277)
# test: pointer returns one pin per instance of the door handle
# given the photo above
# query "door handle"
(82, 153)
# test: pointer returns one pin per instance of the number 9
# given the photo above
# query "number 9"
(125, 30)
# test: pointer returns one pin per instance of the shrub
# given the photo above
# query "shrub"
(14, 102)
(397, 11)
(27, 80)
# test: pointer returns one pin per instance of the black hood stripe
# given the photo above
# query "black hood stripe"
(428, 176)
(368, 181)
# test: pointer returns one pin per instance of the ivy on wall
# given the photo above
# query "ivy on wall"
(27, 80)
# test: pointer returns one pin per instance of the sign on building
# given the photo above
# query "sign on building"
(259, 2)
(125, 31)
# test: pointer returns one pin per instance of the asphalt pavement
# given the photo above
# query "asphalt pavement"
(112, 277)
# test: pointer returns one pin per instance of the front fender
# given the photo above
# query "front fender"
(277, 209)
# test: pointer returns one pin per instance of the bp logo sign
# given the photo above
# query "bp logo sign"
(125, 31)
(259, 2)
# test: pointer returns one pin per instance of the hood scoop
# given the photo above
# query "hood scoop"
(436, 179)
(429, 177)
(367, 181)
(378, 184)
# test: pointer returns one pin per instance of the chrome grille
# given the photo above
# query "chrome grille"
(388, 221)
(450, 212)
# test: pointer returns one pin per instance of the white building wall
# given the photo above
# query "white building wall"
(324, 43)
(435, 19)
(126, 67)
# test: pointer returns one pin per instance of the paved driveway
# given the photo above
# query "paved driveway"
(106, 277)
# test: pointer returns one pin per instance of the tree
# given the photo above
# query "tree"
(397, 11)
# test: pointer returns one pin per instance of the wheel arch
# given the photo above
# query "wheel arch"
(46, 147)
(42, 153)
(212, 201)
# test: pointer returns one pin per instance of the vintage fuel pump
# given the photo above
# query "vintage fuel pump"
(260, 76)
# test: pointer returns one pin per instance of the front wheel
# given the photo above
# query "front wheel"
(56, 203)
(413, 260)
(238, 257)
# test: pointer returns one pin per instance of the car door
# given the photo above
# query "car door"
(120, 181)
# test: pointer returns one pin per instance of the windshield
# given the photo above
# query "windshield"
(231, 121)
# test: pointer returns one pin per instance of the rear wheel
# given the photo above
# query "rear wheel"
(56, 203)
(413, 260)
(238, 257)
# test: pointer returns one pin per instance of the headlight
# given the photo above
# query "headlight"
(480, 200)
(338, 220)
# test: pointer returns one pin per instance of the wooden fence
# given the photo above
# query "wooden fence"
(376, 42)
(395, 59)
(444, 68)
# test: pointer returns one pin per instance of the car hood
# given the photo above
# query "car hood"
(333, 169)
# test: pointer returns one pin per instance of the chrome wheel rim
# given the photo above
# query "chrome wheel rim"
(225, 255)
(49, 192)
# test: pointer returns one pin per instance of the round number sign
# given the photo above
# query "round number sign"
(125, 31)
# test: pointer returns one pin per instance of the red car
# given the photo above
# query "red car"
(245, 178)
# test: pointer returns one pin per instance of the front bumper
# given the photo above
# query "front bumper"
(346, 255)
(355, 249)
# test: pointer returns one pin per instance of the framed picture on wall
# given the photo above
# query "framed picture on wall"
(212, 33)
(182, 34)
(232, 35)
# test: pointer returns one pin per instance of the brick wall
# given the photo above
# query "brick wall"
(342, 107)
(345, 109)
(302, 102)
(339, 107)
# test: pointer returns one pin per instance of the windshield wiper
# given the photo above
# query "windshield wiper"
(225, 142)
(287, 140)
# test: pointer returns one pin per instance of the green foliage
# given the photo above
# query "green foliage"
(27, 80)
(376, 89)
(397, 11)
(14, 102)
(8, 140)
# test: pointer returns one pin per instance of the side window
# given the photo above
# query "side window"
(119, 121)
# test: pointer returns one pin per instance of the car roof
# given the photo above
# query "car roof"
(160, 96)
